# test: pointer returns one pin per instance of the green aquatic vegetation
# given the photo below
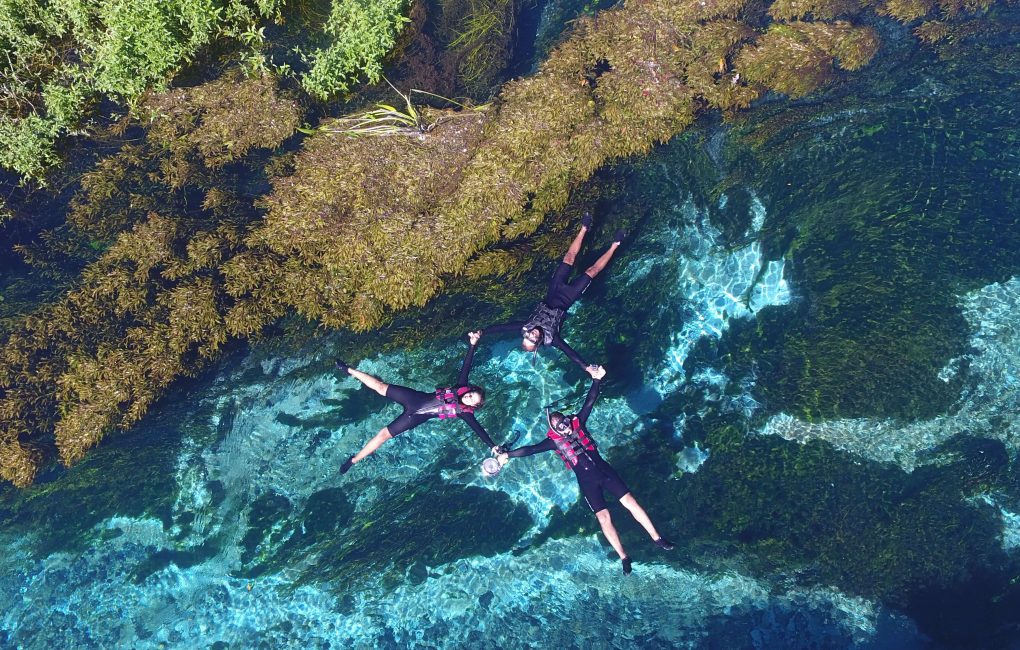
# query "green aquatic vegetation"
(813, 9)
(363, 32)
(129, 478)
(912, 540)
(334, 548)
(880, 275)
(911, 10)
(221, 121)
(482, 38)
(151, 304)
(782, 508)
(385, 120)
(809, 48)
(65, 56)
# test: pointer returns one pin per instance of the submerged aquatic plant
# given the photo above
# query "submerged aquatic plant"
(386, 120)
(483, 38)
(149, 306)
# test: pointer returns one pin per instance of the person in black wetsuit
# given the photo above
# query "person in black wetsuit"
(458, 401)
(543, 327)
(569, 438)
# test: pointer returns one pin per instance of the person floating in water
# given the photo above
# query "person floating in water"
(543, 327)
(569, 438)
(459, 401)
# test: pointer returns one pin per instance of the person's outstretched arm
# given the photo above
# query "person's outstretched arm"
(529, 450)
(589, 403)
(569, 351)
(478, 429)
(469, 358)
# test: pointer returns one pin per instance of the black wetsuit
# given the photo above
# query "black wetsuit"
(420, 407)
(560, 296)
(593, 473)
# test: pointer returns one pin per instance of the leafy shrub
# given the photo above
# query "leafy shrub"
(64, 55)
(363, 33)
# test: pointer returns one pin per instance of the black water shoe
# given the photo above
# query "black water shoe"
(664, 544)
(620, 235)
(348, 464)
(586, 220)
(342, 366)
(626, 565)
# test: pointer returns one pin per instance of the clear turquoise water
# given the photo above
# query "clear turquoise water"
(812, 336)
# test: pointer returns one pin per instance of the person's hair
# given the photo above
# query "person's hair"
(474, 389)
(555, 415)
(526, 342)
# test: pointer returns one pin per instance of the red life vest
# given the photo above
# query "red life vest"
(449, 405)
(571, 445)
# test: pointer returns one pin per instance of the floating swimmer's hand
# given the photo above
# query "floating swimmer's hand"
(503, 459)
(474, 336)
(596, 371)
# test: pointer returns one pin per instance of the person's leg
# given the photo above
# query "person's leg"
(606, 522)
(373, 444)
(403, 422)
(575, 246)
(374, 383)
(630, 503)
(602, 261)
(590, 483)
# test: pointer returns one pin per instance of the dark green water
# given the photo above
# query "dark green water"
(814, 351)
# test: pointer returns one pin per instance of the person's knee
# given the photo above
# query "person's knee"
(603, 516)
(592, 271)
(385, 434)
(628, 501)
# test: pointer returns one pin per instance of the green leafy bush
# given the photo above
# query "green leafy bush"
(62, 56)
(363, 33)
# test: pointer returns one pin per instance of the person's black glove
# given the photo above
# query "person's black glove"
(342, 366)
(586, 220)
(620, 235)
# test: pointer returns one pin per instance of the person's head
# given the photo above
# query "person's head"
(559, 422)
(474, 397)
(532, 339)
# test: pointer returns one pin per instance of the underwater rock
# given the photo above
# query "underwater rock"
(691, 458)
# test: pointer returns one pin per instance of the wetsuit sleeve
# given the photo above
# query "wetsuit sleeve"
(569, 351)
(477, 428)
(545, 445)
(503, 328)
(465, 368)
(589, 403)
